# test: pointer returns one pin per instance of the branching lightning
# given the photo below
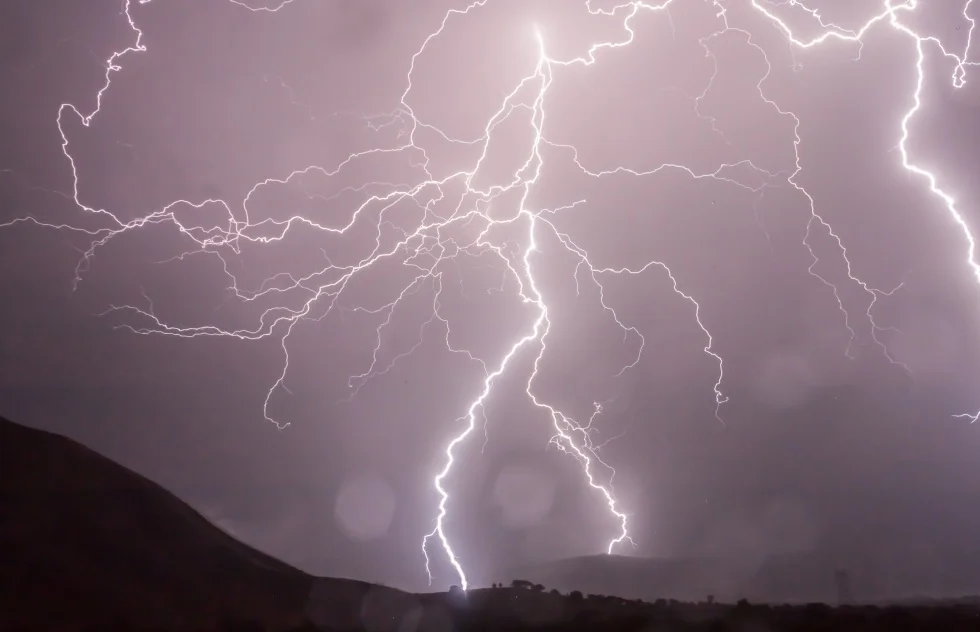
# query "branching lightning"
(429, 248)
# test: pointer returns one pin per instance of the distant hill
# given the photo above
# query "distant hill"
(84, 540)
(785, 579)
(687, 579)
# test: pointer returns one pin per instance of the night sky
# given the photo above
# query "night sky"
(829, 443)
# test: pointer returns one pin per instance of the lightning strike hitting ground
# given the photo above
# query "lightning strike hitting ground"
(427, 249)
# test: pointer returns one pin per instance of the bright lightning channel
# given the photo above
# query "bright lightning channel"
(425, 249)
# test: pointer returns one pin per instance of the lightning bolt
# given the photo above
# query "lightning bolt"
(472, 228)
(891, 15)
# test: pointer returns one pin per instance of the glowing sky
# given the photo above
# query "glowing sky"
(729, 245)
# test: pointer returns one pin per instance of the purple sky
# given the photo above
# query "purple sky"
(829, 443)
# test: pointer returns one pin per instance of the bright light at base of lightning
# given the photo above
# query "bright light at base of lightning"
(426, 254)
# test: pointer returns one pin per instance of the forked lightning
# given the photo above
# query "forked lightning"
(427, 250)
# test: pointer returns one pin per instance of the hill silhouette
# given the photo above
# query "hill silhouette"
(84, 540)
(88, 544)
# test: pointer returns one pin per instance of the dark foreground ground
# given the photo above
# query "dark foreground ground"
(88, 545)
(513, 610)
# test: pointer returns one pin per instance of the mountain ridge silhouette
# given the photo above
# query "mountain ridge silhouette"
(86, 541)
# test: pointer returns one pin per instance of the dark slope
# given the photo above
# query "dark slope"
(83, 539)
